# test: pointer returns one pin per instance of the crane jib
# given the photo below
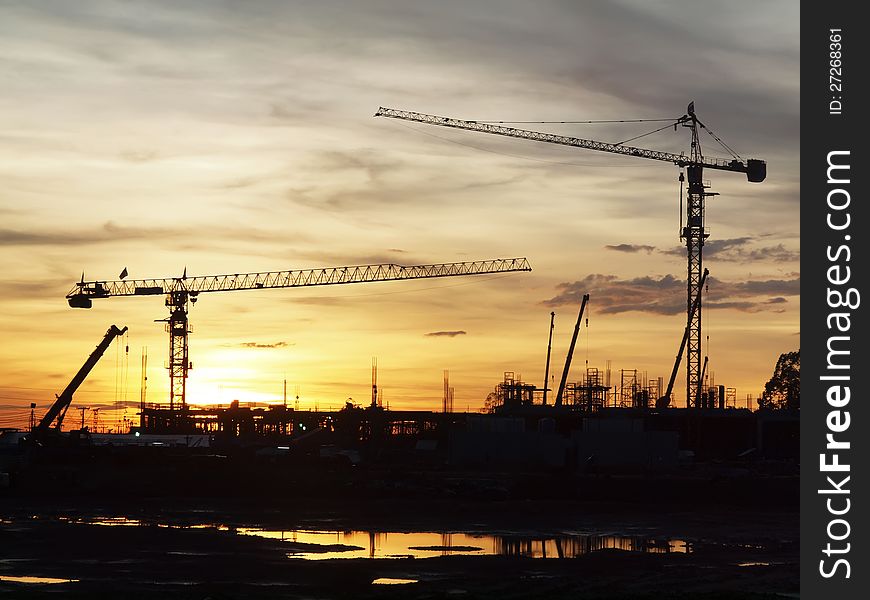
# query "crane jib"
(83, 292)
(756, 170)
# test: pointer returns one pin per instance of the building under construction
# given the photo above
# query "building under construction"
(591, 394)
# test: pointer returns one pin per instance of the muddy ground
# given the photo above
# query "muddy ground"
(741, 523)
(735, 553)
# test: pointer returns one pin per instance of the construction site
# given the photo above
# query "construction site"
(589, 436)
(619, 420)
(634, 400)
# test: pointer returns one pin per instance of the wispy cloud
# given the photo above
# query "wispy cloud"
(265, 345)
(631, 248)
(111, 233)
(139, 156)
(445, 333)
(108, 232)
(34, 288)
(666, 295)
(741, 250)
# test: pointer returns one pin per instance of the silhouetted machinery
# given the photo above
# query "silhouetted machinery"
(665, 400)
(570, 356)
(184, 290)
(58, 410)
(694, 232)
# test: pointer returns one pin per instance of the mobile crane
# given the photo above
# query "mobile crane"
(58, 409)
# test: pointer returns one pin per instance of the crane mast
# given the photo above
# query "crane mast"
(665, 401)
(182, 291)
(694, 232)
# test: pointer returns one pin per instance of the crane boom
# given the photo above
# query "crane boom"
(571, 351)
(58, 409)
(547, 368)
(81, 294)
(756, 170)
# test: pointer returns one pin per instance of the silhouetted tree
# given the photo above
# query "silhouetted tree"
(783, 390)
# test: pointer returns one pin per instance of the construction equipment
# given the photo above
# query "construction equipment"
(700, 402)
(665, 400)
(694, 233)
(547, 368)
(62, 402)
(571, 351)
(182, 291)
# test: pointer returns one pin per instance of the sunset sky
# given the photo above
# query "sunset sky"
(233, 137)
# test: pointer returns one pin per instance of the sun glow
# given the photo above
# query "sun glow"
(213, 386)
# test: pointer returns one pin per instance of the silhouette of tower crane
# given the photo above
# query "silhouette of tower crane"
(694, 233)
(182, 291)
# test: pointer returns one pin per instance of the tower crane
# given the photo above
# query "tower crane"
(182, 291)
(693, 233)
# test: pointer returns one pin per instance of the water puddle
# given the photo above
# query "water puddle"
(127, 522)
(32, 579)
(759, 564)
(392, 581)
(117, 522)
(319, 545)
